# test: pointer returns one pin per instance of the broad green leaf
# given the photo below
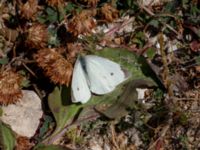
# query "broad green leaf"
(63, 111)
(7, 137)
(133, 63)
(127, 99)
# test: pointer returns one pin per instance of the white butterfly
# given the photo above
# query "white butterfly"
(95, 74)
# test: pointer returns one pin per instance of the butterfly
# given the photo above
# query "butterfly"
(94, 74)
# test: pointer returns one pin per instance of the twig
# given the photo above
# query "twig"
(55, 137)
(116, 28)
(167, 25)
(27, 68)
(165, 77)
(114, 136)
(184, 99)
(38, 91)
(163, 132)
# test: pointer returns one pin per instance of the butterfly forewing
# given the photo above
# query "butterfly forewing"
(80, 90)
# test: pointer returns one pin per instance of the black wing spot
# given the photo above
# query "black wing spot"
(111, 73)
(78, 89)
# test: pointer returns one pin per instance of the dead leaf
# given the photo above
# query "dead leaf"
(195, 46)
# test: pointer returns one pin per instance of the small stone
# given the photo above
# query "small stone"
(24, 116)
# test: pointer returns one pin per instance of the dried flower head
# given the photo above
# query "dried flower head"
(10, 91)
(55, 3)
(73, 49)
(92, 3)
(82, 23)
(37, 36)
(54, 65)
(108, 12)
(29, 9)
(23, 143)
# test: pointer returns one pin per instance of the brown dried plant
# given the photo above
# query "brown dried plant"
(29, 9)
(109, 13)
(55, 3)
(37, 36)
(23, 143)
(73, 49)
(55, 66)
(82, 23)
(10, 90)
(92, 3)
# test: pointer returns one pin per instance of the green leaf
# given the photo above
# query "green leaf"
(185, 2)
(63, 111)
(128, 61)
(170, 7)
(25, 83)
(7, 137)
(139, 39)
(150, 53)
(44, 128)
(1, 111)
(197, 59)
(53, 18)
(4, 61)
(41, 19)
(127, 99)
(155, 23)
(69, 7)
(53, 39)
(49, 15)
(50, 10)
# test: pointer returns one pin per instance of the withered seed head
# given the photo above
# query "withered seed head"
(23, 143)
(109, 13)
(82, 23)
(10, 91)
(73, 49)
(37, 36)
(55, 3)
(29, 9)
(54, 65)
(92, 3)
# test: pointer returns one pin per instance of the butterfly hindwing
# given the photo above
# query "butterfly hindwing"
(103, 75)
(80, 89)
